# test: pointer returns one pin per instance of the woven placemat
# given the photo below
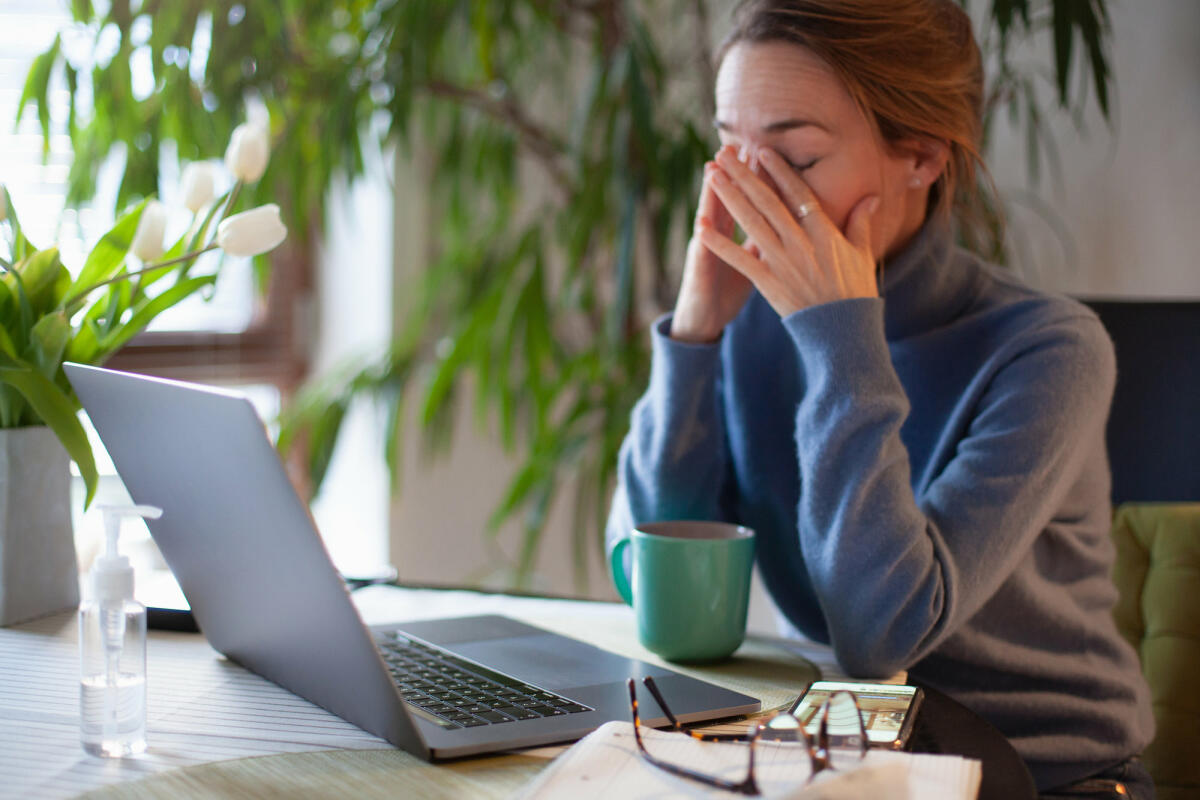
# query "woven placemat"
(365, 774)
(761, 668)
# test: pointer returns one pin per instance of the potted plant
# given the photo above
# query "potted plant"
(49, 315)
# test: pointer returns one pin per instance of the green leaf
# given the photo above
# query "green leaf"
(56, 409)
(109, 253)
(518, 491)
(144, 314)
(1033, 126)
(22, 248)
(323, 440)
(484, 36)
(534, 529)
(12, 407)
(7, 305)
(1093, 25)
(25, 315)
(84, 346)
(618, 317)
(47, 341)
(7, 346)
(120, 13)
(393, 437)
(81, 10)
(45, 279)
(120, 299)
(37, 84)
(1064, 40)
(72, 78)
(201, 234)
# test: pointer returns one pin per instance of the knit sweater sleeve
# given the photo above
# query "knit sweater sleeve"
(896, 575)
(673, 463)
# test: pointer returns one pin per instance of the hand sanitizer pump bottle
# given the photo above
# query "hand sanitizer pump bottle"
(112, 650)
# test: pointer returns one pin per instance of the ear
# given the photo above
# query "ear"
(925, 160)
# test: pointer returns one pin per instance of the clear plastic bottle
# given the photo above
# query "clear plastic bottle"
(112, 651)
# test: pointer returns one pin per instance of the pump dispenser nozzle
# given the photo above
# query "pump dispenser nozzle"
(112, 649)
(112, 574)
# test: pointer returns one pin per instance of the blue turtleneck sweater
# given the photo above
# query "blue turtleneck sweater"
(927, 476)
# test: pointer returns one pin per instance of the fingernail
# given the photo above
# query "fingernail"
(873, 205)
(719, 177)
(742, 153)
(766, 154)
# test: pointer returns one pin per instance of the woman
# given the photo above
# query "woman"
(917, 438)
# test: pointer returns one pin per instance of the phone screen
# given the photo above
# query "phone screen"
(884, 707)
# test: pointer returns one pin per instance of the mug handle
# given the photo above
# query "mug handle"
(616, 563)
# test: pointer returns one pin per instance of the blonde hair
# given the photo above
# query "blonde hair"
(913, 66)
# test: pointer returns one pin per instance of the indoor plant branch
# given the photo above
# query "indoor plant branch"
(540, 141)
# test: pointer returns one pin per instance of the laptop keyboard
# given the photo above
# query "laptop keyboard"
(463, 694)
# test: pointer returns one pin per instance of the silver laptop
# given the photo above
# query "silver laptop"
(264, 591)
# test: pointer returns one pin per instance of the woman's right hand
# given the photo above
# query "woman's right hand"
(712, 292)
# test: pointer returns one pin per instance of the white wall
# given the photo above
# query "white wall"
(1130, 199)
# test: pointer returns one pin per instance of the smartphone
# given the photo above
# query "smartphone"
(888, 710)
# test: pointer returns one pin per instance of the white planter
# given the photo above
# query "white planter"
(39, 573)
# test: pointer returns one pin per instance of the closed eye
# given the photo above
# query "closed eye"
(801, 167)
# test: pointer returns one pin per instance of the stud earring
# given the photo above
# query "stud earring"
(915, 182)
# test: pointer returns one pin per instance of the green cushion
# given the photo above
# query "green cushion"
(1158, 576)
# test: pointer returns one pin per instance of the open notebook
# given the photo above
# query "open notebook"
(606, 764)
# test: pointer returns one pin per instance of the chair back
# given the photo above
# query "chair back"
(1154, 428)
(1157, 574)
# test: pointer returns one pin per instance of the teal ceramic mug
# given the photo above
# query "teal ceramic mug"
(689, 588)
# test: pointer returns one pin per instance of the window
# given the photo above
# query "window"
(236, 336)
(258, 342)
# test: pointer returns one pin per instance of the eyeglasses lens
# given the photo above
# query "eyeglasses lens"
(725, 761)
(841, 735)
(782, 754)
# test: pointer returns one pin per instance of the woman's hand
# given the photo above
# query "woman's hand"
(802, 259)
(712, 292)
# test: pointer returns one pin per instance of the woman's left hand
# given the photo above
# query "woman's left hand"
(802, 258)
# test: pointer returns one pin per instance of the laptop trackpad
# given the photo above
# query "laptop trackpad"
(549, 661)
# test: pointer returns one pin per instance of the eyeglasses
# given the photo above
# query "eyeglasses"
(840, 743)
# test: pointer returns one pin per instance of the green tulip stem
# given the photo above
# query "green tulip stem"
(170, 262)
(233, 196)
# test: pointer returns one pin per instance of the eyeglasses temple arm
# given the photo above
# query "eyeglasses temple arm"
(658, 698)
(633, 707)
(746, 787)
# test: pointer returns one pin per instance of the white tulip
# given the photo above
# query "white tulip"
(197, 185)
(249, 148)
(252, 232)
(152, 227)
